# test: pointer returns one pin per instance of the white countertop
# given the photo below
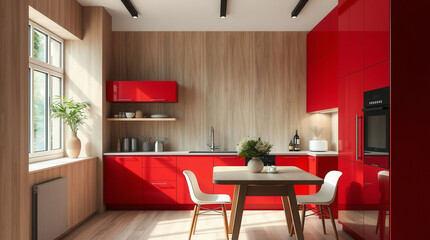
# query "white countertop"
(187, 153)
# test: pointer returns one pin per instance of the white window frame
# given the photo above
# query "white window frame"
(51, 71)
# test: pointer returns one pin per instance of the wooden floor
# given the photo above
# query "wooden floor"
(256, 225)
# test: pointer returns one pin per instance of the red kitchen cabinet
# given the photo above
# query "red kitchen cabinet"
(227, 161)
(124, 91)
(322, 93)
(350, 37)
(202, 167)
(376, 31)
(350, 198)
(322, 64)
(320, 166)
(297, 161)
(159, 180)
(159, 91)
(123, 180)
(377, 76)
(142, 91)
(351, 116)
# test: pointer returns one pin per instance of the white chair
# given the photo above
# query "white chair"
(200, 198)
(324, 197)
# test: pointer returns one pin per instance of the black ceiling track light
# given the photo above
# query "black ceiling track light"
(223, 9)
(130, 8)
(298, 8)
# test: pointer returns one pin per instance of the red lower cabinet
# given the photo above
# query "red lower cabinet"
(123, 180)
(297, 161)
(227, 161)
(202, 167)
(320, 166)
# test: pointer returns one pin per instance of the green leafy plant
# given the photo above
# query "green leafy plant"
(251, 147)
(72, 112)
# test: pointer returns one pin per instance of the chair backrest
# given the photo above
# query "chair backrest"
(329, 187)
(193, 186)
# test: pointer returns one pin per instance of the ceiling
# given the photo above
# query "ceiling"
(204, 15)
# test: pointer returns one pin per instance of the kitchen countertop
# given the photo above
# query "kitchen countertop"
(187, 153)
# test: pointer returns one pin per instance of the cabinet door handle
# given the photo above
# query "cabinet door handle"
(227, 157)
(123, 99)
(368, 183)
(356, 138)
(158, 99)
(125, 157)
(159, 183)
(159, 157)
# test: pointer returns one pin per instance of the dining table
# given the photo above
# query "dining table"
(264, 183)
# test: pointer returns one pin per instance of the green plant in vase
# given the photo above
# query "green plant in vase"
(73, 114)
(254, 148)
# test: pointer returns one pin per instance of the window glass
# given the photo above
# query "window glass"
(55, 53)
(40, 43)
(40, 80)
(55, 123)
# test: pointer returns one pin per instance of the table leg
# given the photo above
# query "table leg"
(287, 211)
(233, 208)
(295, 212)
(239, 211)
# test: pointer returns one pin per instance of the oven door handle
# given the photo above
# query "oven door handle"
(375, 109)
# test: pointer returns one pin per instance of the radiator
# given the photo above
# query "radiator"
(50, 211)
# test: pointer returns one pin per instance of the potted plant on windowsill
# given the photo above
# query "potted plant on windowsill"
(73, 114)
(254, 148)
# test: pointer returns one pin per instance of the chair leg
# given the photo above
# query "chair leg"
(322, 218)
(192, 222)
(197, 217)
(224, 214)
(303, 217)
(332, 222)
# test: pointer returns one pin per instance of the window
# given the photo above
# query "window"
(46, 83)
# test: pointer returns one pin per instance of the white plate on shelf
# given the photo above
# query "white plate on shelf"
(272, 171)
(159, 116)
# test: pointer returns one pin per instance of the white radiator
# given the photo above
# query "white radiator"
(50, 211)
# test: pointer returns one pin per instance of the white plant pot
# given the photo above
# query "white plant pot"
(255, 165)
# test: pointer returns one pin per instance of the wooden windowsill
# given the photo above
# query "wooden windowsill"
(39, 166)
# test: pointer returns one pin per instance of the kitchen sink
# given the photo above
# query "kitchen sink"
(214, 152)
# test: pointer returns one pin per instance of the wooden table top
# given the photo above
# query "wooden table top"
(285, 175)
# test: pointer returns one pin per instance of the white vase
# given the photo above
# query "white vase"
(255, 165)
(73, 146)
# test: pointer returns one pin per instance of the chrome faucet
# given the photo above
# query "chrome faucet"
(212, 136)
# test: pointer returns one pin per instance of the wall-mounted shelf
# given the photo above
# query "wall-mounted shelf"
(142, 119)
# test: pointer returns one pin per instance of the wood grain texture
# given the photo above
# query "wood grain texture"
(82, 188)
(66, 13)
(173, 225)
(242, 83)
(14, 194)
(87, 67)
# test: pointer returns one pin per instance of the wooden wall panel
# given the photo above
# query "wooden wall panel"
(14, 194)
(87, 67)
(82, 192)
(242, 83)
(66, 13)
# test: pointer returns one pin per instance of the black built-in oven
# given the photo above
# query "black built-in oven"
(377, 127)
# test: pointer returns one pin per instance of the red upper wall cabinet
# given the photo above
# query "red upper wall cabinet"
(322, 65)
(124, 91)
(159, 91)
(142, 91)
(350, 36)
(376, 31)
